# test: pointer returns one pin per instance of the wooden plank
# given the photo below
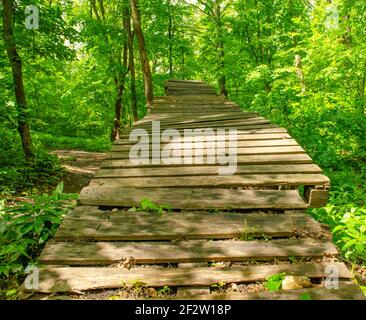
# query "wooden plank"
(78, 279)
(190, 290)
(178, 145)
(240, 137)
(317, 198)
(199, 124)
(222, 181)
(98, 253)
(248, 131)
(190, 111)
(168, 118)
(241, 160)
(205, 170)
(193, 198)
(240, 151)
(192, 98)
(240, 129)
(344, 292)
(122, 226)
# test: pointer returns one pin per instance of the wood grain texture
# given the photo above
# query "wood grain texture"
(66, 279)
(193, 198)
(219, 181)
(96, 253)
(105, 226)
(206, 170)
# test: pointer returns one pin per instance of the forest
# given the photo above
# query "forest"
(73, 74)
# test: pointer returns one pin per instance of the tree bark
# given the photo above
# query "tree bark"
(119, 82)
(143, 54)
(170, 35)
(131, 67)
(220, 50)
(17, 72)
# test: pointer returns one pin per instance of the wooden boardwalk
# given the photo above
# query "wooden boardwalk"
(233, 229)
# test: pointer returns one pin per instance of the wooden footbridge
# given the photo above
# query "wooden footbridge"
(224, 235)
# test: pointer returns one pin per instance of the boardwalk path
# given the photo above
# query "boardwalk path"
(256, 217)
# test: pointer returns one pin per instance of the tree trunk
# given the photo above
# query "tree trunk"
(143, 55)
(17, 72)
(131, 67)
(170, 35)
(220, 50)
(119, 82)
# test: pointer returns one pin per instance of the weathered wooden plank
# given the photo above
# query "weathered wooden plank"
(344, 292)
(240, 132)
(317, 198)
(168, 118)
(106, 226)
(228, 124)
(93, 253)
(184, 112)
(193, 198)
(222, 181)
(241, 160)
(190, 98)
(205, 170)
(196, 159)
(199, 124)
(178, 145)
(78, 279)
(240, 137)
(239, 129)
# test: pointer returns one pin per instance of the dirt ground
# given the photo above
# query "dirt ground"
(80, 167)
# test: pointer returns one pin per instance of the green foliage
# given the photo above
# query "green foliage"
(147, 205)
(165, 291)
(53, 142)
(26, 225)
(218, 285)
(305, 296)
(17, 176)
(349, 230)
(274, 282)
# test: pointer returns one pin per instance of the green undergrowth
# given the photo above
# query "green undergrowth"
(333, 134)
(25, 226)
(146, 205)
(92, 144)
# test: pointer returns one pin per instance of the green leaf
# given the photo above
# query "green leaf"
(305, 296)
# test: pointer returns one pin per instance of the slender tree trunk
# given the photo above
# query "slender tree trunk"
(117, 110)
(142, 51)
(131, 67)
(16, 66)
(143, 54)
(120, 81)
(220, 51)
(170, 35)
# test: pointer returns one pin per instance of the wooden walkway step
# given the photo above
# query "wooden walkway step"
(97, 253)
(75, 279)
(207, 228)
(192, 198)
(101, 225)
